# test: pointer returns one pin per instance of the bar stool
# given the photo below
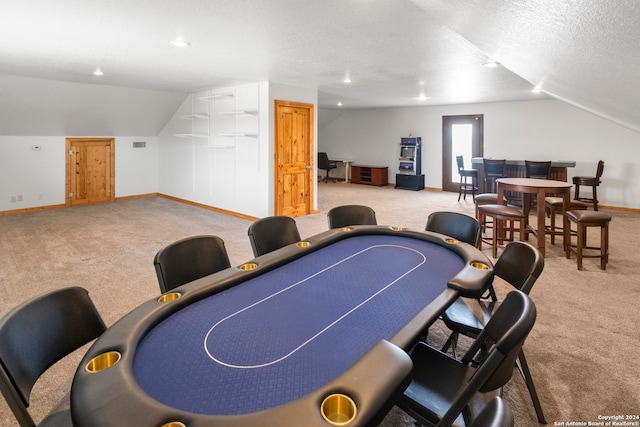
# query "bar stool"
(464, 174)
(589, 181)
(585, 219)
(493, 170)
(554, 206)
(486, 199)
(537, 170)
(502, 216)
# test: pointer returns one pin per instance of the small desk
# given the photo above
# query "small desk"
(347, 167)
(541, 188)
(265, 343)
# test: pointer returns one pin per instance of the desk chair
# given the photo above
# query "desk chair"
(34, 336)
(189, 259)
(272, 232)
(325, 164)
(444, 390)
(346, 215)
(589, 181)
(465, 174)
(520, 265)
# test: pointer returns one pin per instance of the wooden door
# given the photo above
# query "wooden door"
(90, 170)
(293, 158)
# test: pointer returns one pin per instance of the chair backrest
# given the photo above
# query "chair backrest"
(507, 328)
(453, 224)
(460, 163)
(271, 233)
(494, 168)
(520, 264)
(495, 414)
(503, 335)
(323, 161)
(189, 259)
(600, 170)
(38, 333)
(343, 216)
(539, 170)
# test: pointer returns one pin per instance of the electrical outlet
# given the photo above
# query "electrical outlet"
(20, 197)
(12, 199)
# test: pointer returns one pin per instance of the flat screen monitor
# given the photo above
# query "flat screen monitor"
(407, 152)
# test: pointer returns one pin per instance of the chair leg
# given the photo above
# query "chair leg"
(604, 246)
(452, 342)
(580, 244)
(523, 367)
(595, 198)
(552, 225)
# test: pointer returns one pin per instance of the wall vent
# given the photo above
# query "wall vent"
(139, 144)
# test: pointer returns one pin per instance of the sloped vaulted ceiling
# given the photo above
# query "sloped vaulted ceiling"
(586, 53)
(583, 52)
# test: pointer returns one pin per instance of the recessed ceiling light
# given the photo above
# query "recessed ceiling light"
(491, 64)
(422, 97)
(180, 43)
(537, 88)
(339, 103)
(98, 72)
(347, 80)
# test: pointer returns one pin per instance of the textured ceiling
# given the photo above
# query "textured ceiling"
(581, 51)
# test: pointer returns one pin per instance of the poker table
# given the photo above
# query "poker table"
(313, 334)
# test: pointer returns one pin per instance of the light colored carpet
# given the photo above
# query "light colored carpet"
(582, 352)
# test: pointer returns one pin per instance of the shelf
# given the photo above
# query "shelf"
(216, 96)
(233, 135)
(238, 112)
(194, 116)
(191, 135)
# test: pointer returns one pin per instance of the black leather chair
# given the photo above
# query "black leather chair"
(271, 233)
(444, 390)
(520, 265)
(465, 175)
(457, 225)
(325, 164)
(589, 181)
(496, 414)
(189, 259)
(343, 216)
(538, 170)
(34, 336)
(493, 170)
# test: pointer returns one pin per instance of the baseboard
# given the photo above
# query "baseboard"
(211, 208)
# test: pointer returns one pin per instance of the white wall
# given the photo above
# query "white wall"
(214, 168)
(536, 130)
(39, 176)
(238, 173)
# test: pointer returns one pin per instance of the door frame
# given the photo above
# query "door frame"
(477, 148)
(70, 142)
(310, 149)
